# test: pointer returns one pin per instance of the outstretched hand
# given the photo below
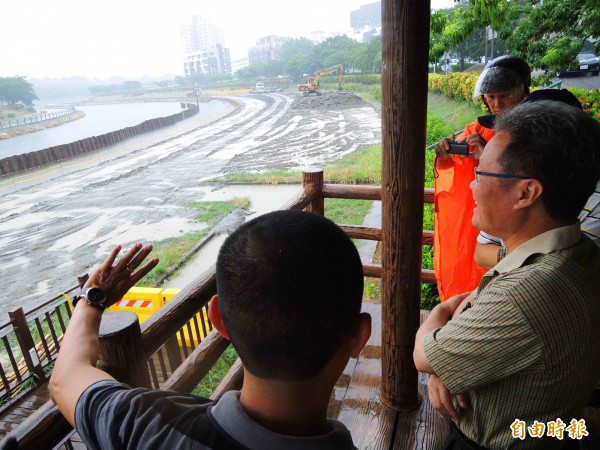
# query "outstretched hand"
(115, 280)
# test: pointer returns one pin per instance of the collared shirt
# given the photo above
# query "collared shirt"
(528, 348)
(111, 415)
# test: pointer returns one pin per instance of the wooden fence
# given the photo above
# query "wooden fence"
(157, 340)
(29, 345)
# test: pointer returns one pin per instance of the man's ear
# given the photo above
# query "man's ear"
(362, 333)
(529, 192)
(214, 314)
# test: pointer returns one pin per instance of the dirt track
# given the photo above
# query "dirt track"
(53, 231)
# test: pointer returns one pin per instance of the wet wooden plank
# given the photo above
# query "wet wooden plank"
(340, 389)
(370, 422)
(422, 429)
(14, 416)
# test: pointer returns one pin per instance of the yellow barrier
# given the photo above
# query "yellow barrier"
(145, 301)
(142, 301)
(167, 295)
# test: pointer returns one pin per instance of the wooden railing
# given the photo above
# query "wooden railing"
(29, 345)
(156, 340)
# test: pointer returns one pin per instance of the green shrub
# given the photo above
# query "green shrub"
(364, 78)
(590, 101)
(437, 128)
(458, 86)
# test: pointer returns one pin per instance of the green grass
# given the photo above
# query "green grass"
(361, 167)
(212, 379)
(347, 211)
(456, 114)
(277, 176)
(213, 212)
(170, 250)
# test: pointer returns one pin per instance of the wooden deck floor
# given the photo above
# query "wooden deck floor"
(355, 402)
(13, 417)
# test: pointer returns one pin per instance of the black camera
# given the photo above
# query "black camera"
(458, 148)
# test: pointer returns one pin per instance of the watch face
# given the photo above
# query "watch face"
(96, 296)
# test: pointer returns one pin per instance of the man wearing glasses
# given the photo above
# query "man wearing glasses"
(525, 348)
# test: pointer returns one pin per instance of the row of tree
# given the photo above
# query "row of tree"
(546, 33)
(301, 56)
(16, 90)
(104, 89)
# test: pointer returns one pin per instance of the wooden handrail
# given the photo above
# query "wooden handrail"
(187, 376)
(45, 428)
(374, 271)
(374, 234)
(233, 379)
(302, 199)
(48, 425)
(165, 322)
(362, 192)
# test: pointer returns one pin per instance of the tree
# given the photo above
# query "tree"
(296, 58)
(334, 51)
(367, 56)
(548, 34)
(131, 85)
(16, 89)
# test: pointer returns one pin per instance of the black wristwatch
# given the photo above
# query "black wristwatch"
(93, 296)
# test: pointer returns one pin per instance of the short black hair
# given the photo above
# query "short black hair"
(556, 144)
(290, 286)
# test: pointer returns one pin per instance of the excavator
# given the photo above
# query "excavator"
(312, 83)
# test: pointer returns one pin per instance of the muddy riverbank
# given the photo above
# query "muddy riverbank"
(58, 229)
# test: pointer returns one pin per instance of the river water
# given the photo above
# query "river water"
(99, 119)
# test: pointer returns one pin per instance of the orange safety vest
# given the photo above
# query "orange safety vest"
(454, 236)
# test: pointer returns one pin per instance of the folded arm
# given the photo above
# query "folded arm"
(439, 316)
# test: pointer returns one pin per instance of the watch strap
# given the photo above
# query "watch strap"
(83, 296)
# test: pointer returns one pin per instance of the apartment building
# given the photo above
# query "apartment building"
(267, 49)
(205, 51)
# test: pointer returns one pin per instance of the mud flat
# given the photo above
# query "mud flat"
(58, 229)
(329, 101)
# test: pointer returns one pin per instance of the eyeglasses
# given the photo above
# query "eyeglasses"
(498, 175)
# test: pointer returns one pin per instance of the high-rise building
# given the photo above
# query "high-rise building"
(367, 16)
(266, 49)
(201, 34)
(205, 51)
(208, 61)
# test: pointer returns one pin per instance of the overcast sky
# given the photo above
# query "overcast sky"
(131, 38)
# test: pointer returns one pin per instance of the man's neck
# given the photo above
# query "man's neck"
(532, 227)
(289, 408)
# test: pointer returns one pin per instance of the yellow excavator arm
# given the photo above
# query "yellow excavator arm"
(312, 83)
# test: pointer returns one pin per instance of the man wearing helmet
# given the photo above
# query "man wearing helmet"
(504, 82)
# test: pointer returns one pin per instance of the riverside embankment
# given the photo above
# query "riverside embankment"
(52, 231)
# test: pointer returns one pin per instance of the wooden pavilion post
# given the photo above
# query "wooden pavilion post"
(405, 51)
(312, 180)
(121, 351)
